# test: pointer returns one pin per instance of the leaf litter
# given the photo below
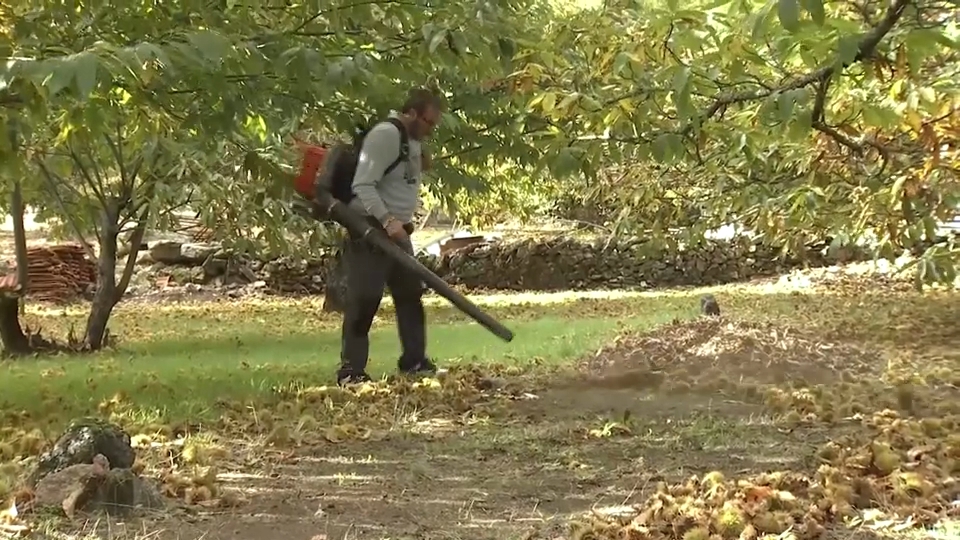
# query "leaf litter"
(897, 469)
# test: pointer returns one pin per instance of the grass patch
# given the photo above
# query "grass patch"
(175, 362)
(536, 452)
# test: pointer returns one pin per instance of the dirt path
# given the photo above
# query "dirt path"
(524, 472)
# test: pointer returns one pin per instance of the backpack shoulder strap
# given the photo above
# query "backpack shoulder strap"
(404, 144)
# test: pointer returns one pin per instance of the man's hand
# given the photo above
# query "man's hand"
(395, 229)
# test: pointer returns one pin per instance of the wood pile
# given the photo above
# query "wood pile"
(57, 273)
(196, 230)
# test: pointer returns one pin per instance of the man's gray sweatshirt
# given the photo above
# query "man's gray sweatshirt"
(396, 194)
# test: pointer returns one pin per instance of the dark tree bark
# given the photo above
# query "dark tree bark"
(15, 341)
(12, 336)
(136, 240)
(105, 297)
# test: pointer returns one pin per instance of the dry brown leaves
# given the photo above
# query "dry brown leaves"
(902, 478)
(715, 352)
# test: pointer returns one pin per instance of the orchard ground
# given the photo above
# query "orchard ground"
(601, 397)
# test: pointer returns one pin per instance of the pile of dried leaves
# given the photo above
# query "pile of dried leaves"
(902, 478)
(714, 352)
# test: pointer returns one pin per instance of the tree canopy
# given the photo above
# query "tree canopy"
(794, 118)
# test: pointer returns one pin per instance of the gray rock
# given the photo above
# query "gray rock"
(165, 252)
(214, 267)
(196, 253)
(122, 491)
(145, 258)
(82, 440)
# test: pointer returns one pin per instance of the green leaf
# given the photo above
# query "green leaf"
(621, 61)
(681, 80)
(85, 73)
(459, 43)
(879, 116)
(436, 40)
(60, 76)
(785, 104)
(590, 104)
(788, 11)
(801, 125)
(565, 163)
(816, 11)
(667, 147)
(211, 45)
(848, 47)
(716, 4)
(507, 48)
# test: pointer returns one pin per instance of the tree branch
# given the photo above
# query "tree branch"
(135, 240)
(865, 49)
(93, 184)
(19, 236)
(52, 179)
(818, 122)
(321, 13)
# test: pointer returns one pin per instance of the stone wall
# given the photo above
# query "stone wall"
(565, 264)
(536, 265)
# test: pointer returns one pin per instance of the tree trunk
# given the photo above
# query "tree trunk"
(19, 236)
(136, 239)
(14, 341)
(105, 296)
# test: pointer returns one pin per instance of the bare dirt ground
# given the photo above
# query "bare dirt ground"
(507, 455)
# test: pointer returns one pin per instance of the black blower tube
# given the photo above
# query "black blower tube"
(360, 227)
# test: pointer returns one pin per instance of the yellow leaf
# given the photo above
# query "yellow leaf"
(913, 120)
(896, 89)
(568, 101)
(611, 117)
(606, 60)
(549, 102)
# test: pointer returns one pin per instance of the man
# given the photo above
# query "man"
(388, 201)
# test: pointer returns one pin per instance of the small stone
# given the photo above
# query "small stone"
(196, 253)
(80, 442)
(165, 252)
(214, 267)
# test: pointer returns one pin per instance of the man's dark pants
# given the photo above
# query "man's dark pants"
(369, 270)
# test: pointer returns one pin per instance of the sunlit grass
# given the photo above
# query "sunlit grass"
(177, 359)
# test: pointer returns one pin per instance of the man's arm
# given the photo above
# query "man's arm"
(380, 148)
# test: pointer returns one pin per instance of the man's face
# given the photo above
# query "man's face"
(425, 122)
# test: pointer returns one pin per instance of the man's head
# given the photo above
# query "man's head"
(422, 111)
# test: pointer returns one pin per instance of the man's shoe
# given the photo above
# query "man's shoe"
(345, 377)
(422, 367)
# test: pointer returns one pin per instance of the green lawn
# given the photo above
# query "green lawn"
(175, 361)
